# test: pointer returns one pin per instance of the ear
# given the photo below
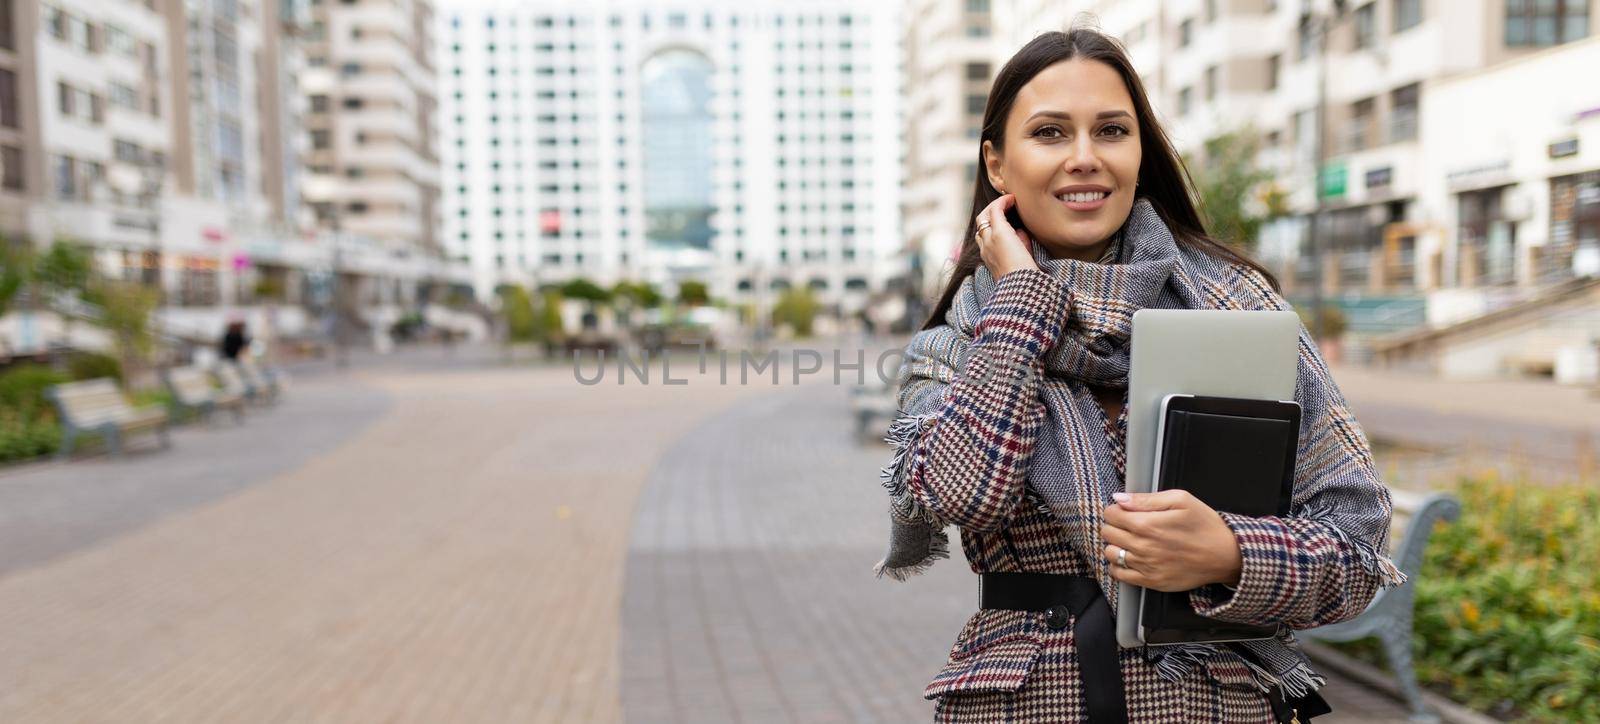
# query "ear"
(992, 167)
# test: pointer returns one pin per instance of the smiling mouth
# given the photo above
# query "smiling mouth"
(1084, 197)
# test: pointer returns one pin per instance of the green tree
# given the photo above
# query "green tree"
(16, 264)
(550, 326)
(693, 293)
(65, 269)
(641, 294)
(797, 307)
(582, 288)
(1236, 195)
(517, 307)
(125, 309)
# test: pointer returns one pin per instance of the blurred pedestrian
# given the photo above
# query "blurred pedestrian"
(234, 340)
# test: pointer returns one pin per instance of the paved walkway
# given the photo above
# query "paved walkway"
(1519, 428)
(458, 560)
(460, 541)
(750, 595)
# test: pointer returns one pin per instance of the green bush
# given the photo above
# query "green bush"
(22, 438)
(798, 308)
(22, 390)
(1508, 603)
(91, 365)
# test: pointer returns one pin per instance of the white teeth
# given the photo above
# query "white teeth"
(1084, 196)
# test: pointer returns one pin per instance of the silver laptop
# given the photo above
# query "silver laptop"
(1215, 353)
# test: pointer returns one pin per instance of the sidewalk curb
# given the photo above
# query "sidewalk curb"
(1382, 681)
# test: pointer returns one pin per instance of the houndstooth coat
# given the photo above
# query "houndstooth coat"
(969, 469)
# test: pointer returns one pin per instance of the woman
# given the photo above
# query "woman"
(1013, 399)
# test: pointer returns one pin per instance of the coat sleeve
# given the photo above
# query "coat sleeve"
(1324, 562)
(968, 462)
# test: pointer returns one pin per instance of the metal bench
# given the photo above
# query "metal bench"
(870, 403)
(266, 382)
(97, 406)
(1389, 615)
(193, 393)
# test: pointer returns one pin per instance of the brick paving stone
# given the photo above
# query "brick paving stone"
(458, 559)
(749, 580)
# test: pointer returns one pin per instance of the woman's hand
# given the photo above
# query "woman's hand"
(1174, 542)
(1003, 248)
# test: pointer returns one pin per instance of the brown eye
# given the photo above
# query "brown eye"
(1120, 130)
(1041, 131)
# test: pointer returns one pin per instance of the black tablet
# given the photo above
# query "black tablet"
(1238, 456)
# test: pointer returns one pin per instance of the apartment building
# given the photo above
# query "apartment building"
(949, 60)
(752, 146)
(1398, 219)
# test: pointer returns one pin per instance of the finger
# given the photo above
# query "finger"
(1163, 500)
(1130, 575)
(1122, 538)
(1122, 518)
(1111, 552)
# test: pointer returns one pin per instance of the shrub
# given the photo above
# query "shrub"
(22, 438)
(1508, 603)
(91, 365)
(798, 308)
(22, 390)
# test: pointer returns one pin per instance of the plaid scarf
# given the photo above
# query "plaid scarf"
(1074, 468)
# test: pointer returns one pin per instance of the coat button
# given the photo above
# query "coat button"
(1056, 617)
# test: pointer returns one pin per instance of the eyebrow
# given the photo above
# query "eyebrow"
(1102, 115)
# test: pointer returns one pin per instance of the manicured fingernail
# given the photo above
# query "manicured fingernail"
(1121, 497)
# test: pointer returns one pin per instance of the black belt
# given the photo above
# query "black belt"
(1093, 635)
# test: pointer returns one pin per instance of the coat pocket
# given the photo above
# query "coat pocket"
(995, 652)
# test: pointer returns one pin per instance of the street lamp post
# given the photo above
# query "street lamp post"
(1320, 26)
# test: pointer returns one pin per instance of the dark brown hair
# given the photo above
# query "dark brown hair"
(1163, 178)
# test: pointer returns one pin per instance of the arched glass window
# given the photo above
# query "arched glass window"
(676, 127)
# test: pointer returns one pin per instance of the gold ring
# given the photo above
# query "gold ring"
(1122, 557)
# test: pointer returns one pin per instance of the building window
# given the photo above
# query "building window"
(8, 96)
(1274, 67)
(1357, 134)
(11, 166)
(977, 71)
(1487, 239)
(1211, 83)
(1366, 25)
(1407, 14)
(975, 104)
(1211, 11)
(1541, 23)
(7, 25)
(1184, 97)
(1403, 118)
(1306, 39)
(1185, 32)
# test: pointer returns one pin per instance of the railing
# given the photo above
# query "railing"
(1402, 125)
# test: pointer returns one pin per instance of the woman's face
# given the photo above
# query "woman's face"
(1071, 157)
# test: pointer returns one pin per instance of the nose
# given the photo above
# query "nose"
(1081, 158)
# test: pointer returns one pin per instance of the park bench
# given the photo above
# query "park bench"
(262, 382)
(97, 406)
(871, 403)
(247, 382)
(193, 393)
(1389, 616)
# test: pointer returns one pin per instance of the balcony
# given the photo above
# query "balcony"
(1402, 125)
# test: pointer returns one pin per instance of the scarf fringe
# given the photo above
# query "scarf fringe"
(1374, 563)
(938, 549)
(1298, 681)
(903, 431)
(1174, 662)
